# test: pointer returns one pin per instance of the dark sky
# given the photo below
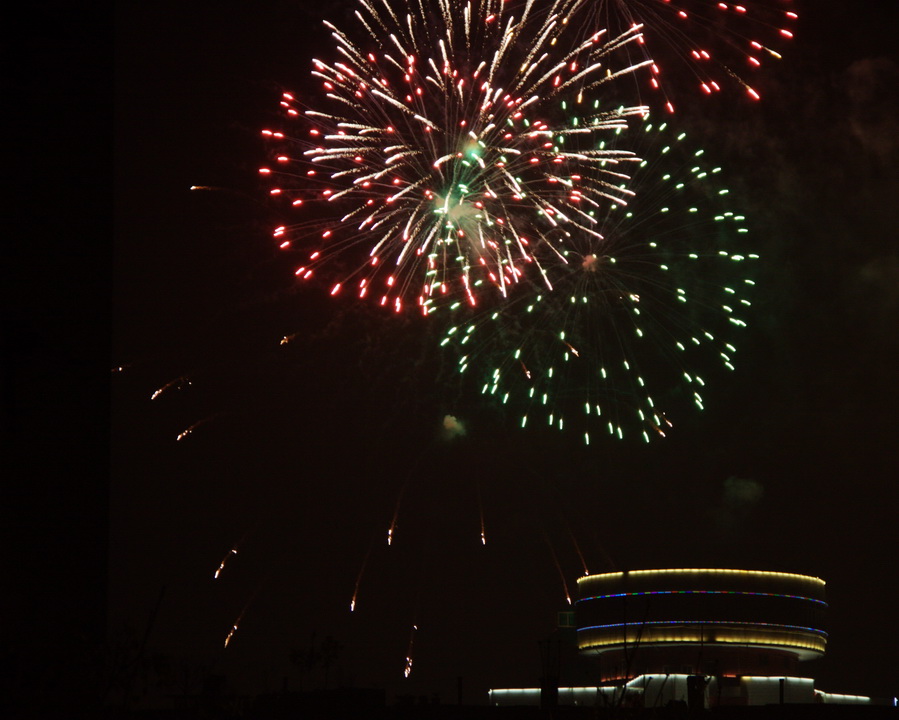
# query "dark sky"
(303, 453)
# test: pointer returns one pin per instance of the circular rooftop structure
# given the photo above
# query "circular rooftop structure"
(708, 621)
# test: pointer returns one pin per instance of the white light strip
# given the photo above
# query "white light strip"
(837, 696)
(778, 678)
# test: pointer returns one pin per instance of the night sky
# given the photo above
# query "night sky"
(305, 453)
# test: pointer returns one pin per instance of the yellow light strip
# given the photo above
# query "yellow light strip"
(720, 571)
(733, 637)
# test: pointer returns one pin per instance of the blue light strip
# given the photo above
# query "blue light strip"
(702, 592)
(737, 623)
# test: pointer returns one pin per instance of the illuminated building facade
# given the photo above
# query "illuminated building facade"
(701, 622)
(706, 637)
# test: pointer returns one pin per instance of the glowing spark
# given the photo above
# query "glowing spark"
(359, 581)
(221, 566)
(628, 302)
(436, 156)
(559, 568)
(230, 635)
(481, 513)
(186, 433)
(408, 668)
(676, 28)
(178, 383)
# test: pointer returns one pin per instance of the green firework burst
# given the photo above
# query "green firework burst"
(640, 313)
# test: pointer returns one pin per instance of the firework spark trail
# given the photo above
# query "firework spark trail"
(407, 670)
(708, 43)
(221, 567)
(359, 580)
(577, 549)
(243, 612)
(232, 630)
(449, 156)
(552, 551)
(481, 514)
(611, 565)
(184, 434)
(396, 514)
(399, 498)
(179, 383)
(650, 308)
(236, 624)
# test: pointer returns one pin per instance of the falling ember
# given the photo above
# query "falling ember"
(239, 618)
(178, 383)
(231, 634)
(675, 28)
(221, 567)
(481, 513)
(186, 433)
(408, 669)
(559, 568)
(396, 514)
(359, 580)
(182, 435)
(580, 555)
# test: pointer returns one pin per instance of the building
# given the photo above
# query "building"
(704, 637)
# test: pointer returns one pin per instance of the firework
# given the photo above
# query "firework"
(231, 632)
(407, 670)
(179, 383)
(638, 313)
(481, 516)
(184, 434)
(359, 580)
(703, 45)
(221, 567)
(561, 572)
(445, 156)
